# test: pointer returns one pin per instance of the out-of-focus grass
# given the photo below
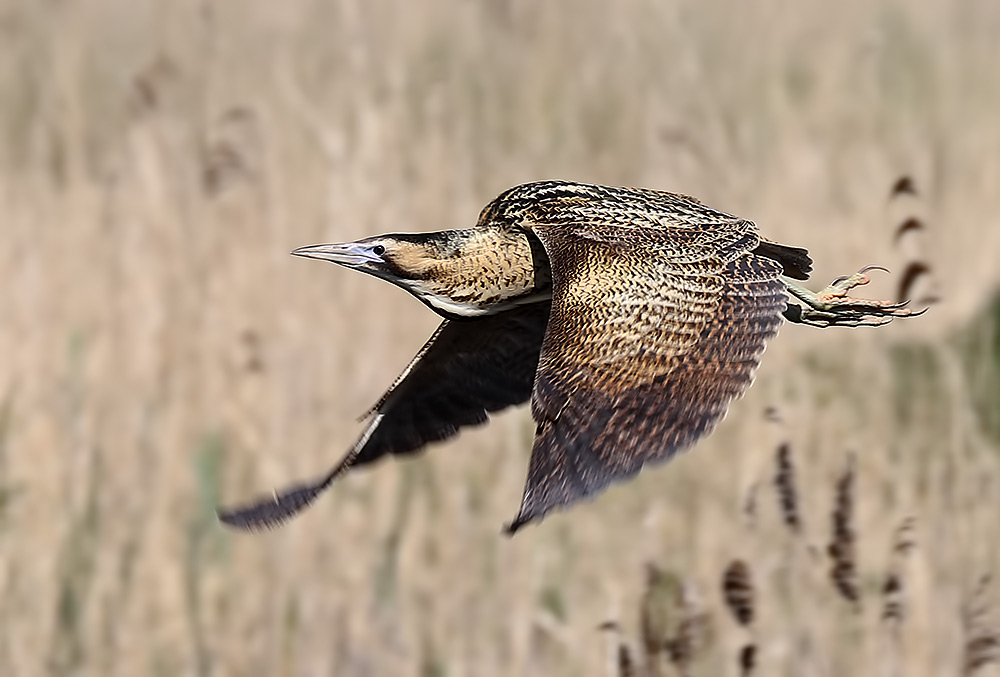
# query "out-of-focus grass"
(979, 345)
(204, 545)
(8, 492)
(159, 159)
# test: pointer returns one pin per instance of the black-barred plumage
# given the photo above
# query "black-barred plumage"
(630, 317)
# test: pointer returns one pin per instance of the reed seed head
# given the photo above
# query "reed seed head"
(842, 548)
(738, 591)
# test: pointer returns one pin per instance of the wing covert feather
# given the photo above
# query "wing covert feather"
(649, 339)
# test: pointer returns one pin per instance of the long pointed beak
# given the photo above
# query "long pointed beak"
(347, 254)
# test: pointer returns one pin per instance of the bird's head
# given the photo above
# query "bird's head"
(458, 273)
(397, 258)
(428, 265)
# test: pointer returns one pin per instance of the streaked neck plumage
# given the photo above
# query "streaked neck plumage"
(473, 272)
(458, 273)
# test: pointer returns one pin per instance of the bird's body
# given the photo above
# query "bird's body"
(630, 318)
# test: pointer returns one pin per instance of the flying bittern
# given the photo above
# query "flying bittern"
(630, 317)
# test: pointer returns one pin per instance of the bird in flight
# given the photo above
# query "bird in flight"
(629, 317)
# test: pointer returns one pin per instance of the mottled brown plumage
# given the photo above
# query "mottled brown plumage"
(630, 317)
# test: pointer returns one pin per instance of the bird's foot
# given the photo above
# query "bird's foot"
(832, 305)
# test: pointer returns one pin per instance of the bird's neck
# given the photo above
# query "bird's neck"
(482, 271)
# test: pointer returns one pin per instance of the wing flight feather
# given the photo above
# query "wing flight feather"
(651, 334)
(466, 370)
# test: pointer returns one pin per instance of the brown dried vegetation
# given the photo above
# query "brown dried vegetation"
(842, 548)
(162, 354)
(981, 629)
(784, 481)
(737, 590)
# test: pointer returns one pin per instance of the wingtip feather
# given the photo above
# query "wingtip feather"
(272, 511)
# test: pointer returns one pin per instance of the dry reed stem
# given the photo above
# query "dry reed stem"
(738, 591)
(626, 664)
(127, 288)
(904, 185)
(784, 482)
(660, 616)
(748, 660)
(749, 509)
(695, 632)
(917, 282)
(893, 606)
(842, 548)
(981, 629)
(909, 225)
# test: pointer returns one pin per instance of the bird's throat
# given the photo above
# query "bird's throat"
(484, 272)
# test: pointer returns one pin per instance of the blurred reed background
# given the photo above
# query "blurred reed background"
(161, 352)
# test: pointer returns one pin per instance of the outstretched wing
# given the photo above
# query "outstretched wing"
(465, 371)
(652, 333)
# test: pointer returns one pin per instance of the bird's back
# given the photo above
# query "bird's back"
(673, 220)
(567, 202)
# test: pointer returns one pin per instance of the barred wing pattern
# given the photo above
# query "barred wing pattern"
(661, 307)
(652, 333)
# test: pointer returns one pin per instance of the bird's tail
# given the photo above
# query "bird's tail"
(794, 260)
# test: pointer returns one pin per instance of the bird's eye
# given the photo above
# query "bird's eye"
(378, 250)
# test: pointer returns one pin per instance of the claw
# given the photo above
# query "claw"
(833, 306)
(850, 302)
(839, 287)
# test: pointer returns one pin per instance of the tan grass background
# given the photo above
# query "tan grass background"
(160, 351)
